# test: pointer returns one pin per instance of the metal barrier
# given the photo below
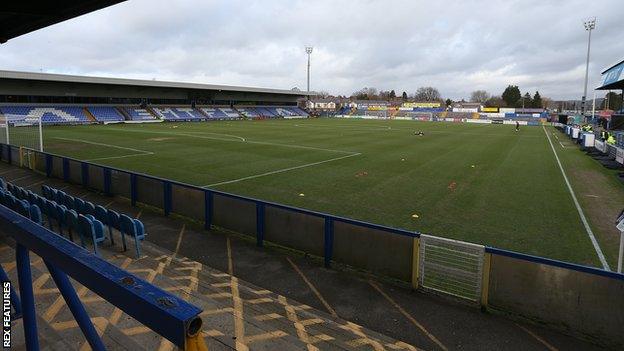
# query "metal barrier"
(164, 313)
(451, 266)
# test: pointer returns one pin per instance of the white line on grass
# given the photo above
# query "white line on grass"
(281, 170)
(230, 135)
(293, 146)
(141, 152)
(601, 256)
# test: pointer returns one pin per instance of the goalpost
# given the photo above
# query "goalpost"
(25, 132)
(21, 131)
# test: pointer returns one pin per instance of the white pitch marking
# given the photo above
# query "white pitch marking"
(114, 157)
(142, 152)
(601, 256)
(239, 141)
(230, 135)
(281, 170)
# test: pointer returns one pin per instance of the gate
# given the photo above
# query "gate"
(451, 267)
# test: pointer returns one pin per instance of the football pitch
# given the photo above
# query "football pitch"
(484, 184)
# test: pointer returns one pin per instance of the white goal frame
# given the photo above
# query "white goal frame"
(8, 121)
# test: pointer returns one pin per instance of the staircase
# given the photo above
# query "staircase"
(89, 115)
(123, 112)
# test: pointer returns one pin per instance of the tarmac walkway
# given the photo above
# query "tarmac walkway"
(273, 299)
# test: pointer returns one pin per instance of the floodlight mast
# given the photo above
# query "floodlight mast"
(308, 50)
(590, 25)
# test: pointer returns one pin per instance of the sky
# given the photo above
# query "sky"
(455, 46)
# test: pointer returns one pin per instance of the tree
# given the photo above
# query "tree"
(448, 102)
(526, 100)
(480, 96)
(322, 94)
(495, 101)
(427, 94)
(392, 94)
(366, 94)
(404, 96)
(511, 95)
(537, 100)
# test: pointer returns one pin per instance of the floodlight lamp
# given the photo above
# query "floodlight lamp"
(309, 49)
(590, 23)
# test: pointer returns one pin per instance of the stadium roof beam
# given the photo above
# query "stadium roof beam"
(46, 84)
(25, 16)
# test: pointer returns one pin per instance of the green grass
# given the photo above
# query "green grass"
(513, 198)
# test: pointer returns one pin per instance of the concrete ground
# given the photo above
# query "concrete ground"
(423, 320)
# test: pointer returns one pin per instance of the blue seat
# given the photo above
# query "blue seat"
(52, 194)
(60, 217)
(92, 230)
(45, 191)
(134, 228)
(60, 197)
(35, 214)
(78, 204)
(101, 214)
(2, 184)
(69, 201)
(71, 222)
(88, 208)
(22, 207)
(50, 211)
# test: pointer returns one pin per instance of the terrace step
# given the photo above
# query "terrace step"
(285, 320)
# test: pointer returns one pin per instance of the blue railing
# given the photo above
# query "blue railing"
(164, 313)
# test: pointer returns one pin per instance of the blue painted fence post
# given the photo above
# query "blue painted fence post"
(259, 224)
(76, 307)
(208, 203)
(133, 189)
(85, 174)
(167, 197)
(65, 169)
(48, 165)
(107, 181)
(24, 276)
(329, 240)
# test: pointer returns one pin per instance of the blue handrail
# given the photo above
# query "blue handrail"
(164, 313)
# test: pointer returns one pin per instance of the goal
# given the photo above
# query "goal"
(24, 131)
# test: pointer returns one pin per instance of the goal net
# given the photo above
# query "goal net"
(21, 131)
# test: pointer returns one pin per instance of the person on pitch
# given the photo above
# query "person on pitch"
(517, 126)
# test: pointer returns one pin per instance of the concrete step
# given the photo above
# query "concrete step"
(280, 318)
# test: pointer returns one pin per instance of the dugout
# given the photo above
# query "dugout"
(613, 79)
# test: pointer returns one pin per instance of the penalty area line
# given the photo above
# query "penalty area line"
(140, 152)
(280, 170)
(590, 233)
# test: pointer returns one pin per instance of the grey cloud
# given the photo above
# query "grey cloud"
(457, 46)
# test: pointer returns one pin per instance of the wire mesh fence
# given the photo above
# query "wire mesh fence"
(450, 266)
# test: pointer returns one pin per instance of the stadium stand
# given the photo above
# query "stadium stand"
(178, 113)
(138, 114)
(220, 113)
(105, 114)
(48, 114)
(249, 112)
